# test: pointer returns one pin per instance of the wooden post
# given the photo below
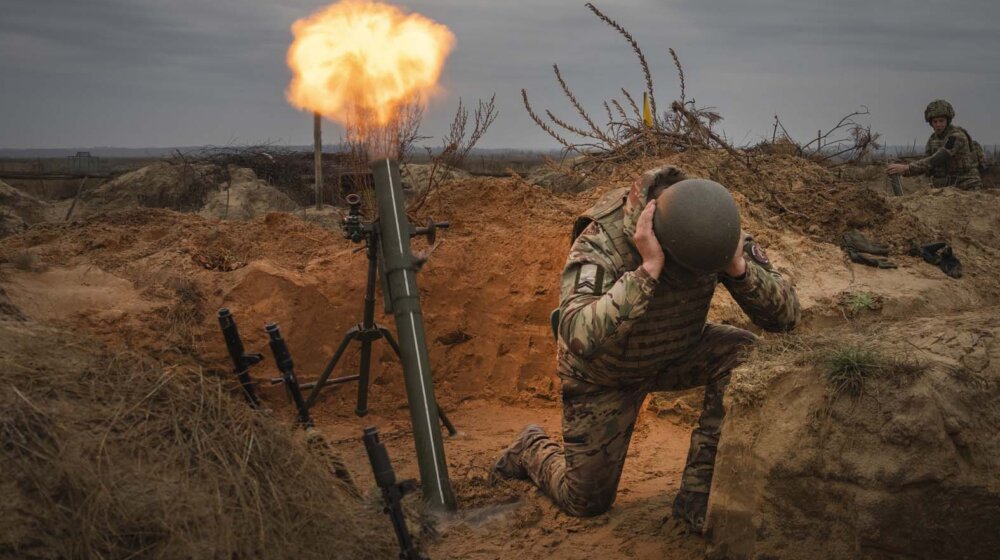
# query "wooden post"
(318, 156)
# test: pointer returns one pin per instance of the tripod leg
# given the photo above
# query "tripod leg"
(392, 341)
(395, 347)
(363, 371)
(447, 423)
(330, 365)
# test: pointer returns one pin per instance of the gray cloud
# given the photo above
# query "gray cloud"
(153, 72)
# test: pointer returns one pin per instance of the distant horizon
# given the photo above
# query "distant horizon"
(161, 151)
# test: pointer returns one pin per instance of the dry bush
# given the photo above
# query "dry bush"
(456, 146)
(847, 141)
(281, 167)
(366, 140)
(626, 135)
(621, 134)
(197, 180)
(114, 456)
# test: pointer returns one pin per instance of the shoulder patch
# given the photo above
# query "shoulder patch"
(589, 279)
(758, 254)
(591, 229)
(950, 144)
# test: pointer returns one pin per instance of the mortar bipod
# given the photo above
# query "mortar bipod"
(368, 331)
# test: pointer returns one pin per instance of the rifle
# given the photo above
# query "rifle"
(392, 492)
(241, 359)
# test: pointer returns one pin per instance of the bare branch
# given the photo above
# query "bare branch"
(680, 72)
(541, 124)
(635, 47)
(568, 127)
(635, 108)
(621, 110)
(579, 108)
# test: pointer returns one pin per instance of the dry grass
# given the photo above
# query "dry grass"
(113, 456)
(769, 359)
(855, 304)
(859, 301)
(849, 367)
(848, 362)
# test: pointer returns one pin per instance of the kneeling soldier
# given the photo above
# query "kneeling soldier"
(635, 295)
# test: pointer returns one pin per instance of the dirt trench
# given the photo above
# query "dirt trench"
(151, 280)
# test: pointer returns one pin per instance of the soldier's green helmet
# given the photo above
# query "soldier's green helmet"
(697, 223)
(939, 108)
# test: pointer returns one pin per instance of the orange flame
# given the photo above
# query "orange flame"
(359, 57)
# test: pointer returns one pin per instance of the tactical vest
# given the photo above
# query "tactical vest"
(609, 214)
(959, 169)
(978, 154)
(671, 325)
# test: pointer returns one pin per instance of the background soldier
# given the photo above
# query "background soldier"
(951, 159)
(632, 320)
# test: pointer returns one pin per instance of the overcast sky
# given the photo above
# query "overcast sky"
(141, 73)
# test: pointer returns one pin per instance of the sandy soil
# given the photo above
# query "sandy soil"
(152, 280)
(516, 520)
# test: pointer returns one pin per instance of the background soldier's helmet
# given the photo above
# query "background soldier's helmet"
(939, 108)
(698, 224)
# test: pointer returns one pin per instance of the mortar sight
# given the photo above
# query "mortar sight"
(351, 224)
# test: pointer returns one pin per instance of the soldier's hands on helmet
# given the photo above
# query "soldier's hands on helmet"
(646, 242)
(655, 180)
(737, 267)
(897, 169)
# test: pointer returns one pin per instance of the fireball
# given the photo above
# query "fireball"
(358, 57)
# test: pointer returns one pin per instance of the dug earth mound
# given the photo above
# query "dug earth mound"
(902, 463)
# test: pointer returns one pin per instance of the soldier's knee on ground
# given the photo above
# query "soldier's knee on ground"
(596, 506)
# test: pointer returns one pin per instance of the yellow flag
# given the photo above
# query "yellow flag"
(647, 115)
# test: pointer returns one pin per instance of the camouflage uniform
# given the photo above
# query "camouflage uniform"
(623, 334)
(952, 158)
(949, 161)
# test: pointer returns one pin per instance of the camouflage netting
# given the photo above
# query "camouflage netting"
(108, 456)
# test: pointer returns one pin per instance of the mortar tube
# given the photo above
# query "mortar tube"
(400, 274)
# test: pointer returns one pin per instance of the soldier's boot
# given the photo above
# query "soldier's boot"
(509, 465)
(857, 240)
(690, 508)
(950, 264)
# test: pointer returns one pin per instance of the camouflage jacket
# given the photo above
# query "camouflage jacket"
(949, 160)
(619, 326)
